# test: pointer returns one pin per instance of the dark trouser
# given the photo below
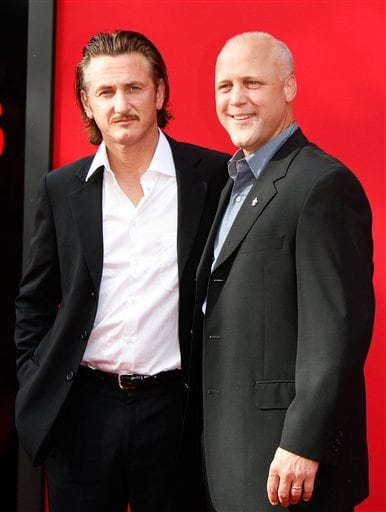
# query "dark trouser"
(115, 448)
(349, 510)
(210, 508)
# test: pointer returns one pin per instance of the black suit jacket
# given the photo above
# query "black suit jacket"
(287, 328)
(58, 297)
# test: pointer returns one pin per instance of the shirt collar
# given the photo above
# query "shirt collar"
(161, 162)
(259, 158)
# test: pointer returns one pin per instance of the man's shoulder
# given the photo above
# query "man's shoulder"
(78, 167)
(75, 164)
(320, 158)
(307, 152)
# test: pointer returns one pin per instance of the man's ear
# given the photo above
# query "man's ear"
(86, 105)
(290, 88)
(160, 94)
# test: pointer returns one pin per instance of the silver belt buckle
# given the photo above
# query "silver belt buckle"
(120, 383)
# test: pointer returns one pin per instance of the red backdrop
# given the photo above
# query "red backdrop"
(339, 50)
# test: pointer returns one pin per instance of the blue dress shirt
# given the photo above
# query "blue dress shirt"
(244, 170)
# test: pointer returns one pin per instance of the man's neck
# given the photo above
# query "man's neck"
(129, 163)
(132, 158)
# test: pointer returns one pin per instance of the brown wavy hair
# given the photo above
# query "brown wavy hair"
(117, 43)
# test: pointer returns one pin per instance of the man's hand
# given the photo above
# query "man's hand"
(290, 478)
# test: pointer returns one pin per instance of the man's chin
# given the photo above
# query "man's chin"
(240, 142)
(239, 138)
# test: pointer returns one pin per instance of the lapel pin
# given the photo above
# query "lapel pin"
(254, 201)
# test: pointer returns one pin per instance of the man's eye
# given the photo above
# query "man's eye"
(253, 84)
(224, 87)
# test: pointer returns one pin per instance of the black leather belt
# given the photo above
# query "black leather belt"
(128, 382)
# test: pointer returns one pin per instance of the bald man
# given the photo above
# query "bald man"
(285, 303)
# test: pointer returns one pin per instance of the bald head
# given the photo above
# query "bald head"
(262, 41)
(255, 87)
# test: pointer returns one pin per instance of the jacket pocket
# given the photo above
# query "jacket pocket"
(274, 394)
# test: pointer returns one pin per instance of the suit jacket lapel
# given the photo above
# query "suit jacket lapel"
(259, 196)
(192, 189)
(262, 192)
(86, 206)
(203, 269)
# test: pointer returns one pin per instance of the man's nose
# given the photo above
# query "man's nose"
(238, 95)
(121, 103)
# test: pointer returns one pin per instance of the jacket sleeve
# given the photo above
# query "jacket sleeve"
(40, 289)
(334, 271)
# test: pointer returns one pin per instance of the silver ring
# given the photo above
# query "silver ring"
(296, 488)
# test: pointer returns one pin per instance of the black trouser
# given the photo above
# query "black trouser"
(115, 448)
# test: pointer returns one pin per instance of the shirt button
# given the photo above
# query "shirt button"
(238, 199)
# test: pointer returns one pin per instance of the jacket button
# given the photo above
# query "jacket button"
(70, 375)
(84, 335)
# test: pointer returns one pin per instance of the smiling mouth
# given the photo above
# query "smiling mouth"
(240, 117)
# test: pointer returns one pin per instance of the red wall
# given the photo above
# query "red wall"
(339, 50)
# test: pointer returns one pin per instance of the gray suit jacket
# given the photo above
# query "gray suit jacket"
(288, 324)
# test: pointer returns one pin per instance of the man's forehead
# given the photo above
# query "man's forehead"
(124, 65)
(247, 58)
(244, 47)
(103, 60)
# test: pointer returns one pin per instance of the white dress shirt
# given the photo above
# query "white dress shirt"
(136, 324)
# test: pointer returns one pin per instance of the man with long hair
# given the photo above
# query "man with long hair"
(104, 313)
